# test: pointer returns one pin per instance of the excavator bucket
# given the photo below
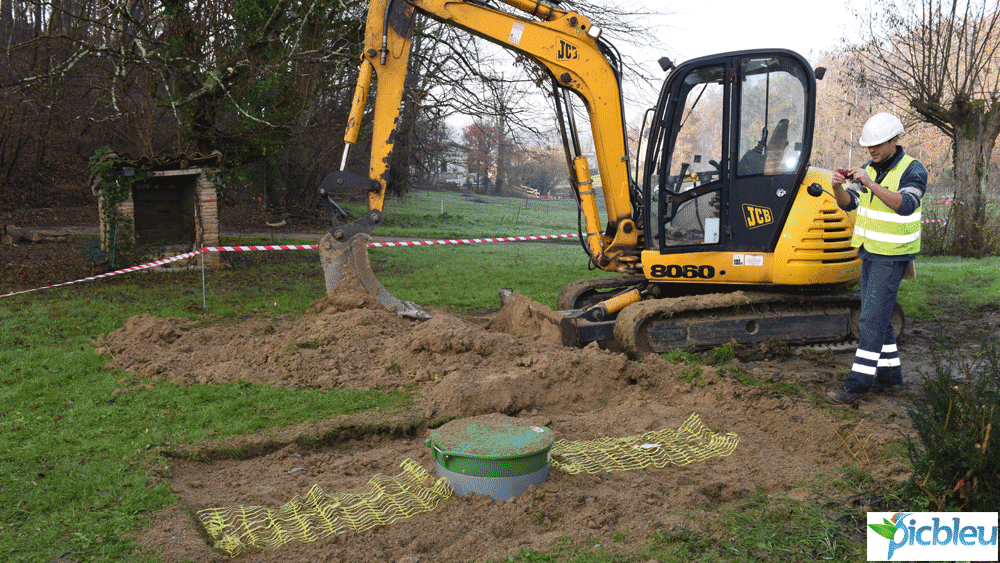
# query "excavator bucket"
(520, 315)
(346, 266)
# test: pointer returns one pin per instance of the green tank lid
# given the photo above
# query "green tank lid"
(491, 446)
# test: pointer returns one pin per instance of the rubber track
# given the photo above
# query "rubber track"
(631, 326)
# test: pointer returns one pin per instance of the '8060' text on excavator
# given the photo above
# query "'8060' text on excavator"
(724, 232)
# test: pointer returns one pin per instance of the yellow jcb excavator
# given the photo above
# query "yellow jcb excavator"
(724, 233)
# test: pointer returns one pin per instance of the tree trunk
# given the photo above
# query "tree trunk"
(6, 21)
(974, 142)
(12, 235)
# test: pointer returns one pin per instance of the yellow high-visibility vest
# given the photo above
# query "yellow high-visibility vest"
(879, 228)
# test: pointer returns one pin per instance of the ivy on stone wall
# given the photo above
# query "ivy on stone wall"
(115, 177)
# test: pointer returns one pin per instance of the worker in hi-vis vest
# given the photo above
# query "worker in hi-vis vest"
(886, 193)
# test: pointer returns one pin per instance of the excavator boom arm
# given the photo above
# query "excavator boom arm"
(564, 43)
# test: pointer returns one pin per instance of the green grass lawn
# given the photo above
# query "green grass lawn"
(947, 286)
(463, 215)
(469, 277)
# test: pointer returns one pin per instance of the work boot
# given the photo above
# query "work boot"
(889, 388)
(841, 396)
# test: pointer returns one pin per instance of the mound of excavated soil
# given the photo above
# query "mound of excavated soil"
(462, 367)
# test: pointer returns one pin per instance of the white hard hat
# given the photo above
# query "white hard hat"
(880, 128)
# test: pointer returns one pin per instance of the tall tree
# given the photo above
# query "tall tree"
(541, 168)
(250, 78)
(938, 59)
(232, 74)
(487, 145)
(6, 20)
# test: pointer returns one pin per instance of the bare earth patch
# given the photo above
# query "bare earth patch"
(461, 367)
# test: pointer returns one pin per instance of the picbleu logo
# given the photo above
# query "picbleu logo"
(932, 536)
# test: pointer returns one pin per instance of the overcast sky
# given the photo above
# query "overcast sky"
(704, 27)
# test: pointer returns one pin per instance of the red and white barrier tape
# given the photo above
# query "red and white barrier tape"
(109, 274)
(290, 247)
(392, 244)
(252, 248)
(468, 241)
(942, 202)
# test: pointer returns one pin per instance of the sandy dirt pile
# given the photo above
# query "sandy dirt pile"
(461, 367)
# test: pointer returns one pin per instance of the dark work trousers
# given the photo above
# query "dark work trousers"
(877, 357)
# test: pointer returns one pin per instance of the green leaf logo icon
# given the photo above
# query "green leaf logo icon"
(887, 530)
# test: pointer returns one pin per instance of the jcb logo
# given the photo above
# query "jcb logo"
(566, 51)
(757, 216)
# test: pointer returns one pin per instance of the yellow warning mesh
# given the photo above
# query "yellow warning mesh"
(316, 515)
(689, 443)
(384, 499)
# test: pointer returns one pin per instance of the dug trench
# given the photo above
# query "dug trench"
(791, 445)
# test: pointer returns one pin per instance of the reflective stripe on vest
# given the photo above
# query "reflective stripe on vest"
(879, 228)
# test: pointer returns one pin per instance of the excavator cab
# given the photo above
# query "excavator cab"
(723, 183)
